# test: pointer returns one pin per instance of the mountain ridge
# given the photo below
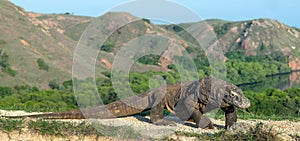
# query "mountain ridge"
(26, 37)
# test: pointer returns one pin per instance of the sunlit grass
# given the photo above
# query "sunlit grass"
(62, 128)
(254, 133)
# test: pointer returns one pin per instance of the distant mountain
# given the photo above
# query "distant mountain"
(261, 36)
(26, 38)
(256, 37)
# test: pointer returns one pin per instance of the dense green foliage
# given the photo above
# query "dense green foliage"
(275, 102)
(149, 59)
(5, 91)
(34, 100)
(239, 55)
(240, 69)
(278, 81)
(139, 83)
(42, 64)
(248, 69)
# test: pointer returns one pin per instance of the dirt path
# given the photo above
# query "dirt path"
(287, 129)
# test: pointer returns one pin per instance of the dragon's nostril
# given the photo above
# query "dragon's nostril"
(236, 98)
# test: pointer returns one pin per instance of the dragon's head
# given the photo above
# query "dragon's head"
(234, 95)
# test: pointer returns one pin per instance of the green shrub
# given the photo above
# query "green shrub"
(54, 84)
(9, 125)
(221, 29)
(42, 64)
(107, 47)
(149, 59)
(3, 59)
(4, 63)
(146, 20)
(26, 88)
(5, 91)
(10, 71)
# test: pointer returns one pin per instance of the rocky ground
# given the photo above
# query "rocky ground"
(285, 130)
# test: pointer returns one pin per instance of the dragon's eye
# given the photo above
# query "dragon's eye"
(232, 93)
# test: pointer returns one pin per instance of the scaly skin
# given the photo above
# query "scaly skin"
(188, 101)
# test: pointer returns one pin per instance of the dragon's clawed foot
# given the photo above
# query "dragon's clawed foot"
(164, 122)
(209, 126)
(232, 127)
(205, 123)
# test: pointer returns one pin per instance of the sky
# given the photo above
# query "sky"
(286, 11)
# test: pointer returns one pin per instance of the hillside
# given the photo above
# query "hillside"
(28, 37)
(255, 37)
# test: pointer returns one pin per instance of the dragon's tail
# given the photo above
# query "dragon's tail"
(114, 109)
(75, 114)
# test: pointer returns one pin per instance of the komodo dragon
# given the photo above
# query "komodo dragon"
(188, 101)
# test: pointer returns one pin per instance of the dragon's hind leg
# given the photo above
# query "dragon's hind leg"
(201, 120)
(157, 115)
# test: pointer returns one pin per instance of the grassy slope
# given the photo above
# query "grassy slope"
(27, 40)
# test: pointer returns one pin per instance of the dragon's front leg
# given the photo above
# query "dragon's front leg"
(230, 115)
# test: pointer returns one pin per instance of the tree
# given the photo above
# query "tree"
(146, 20)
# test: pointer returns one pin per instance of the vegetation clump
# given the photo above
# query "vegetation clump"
(259, 132)
(4, 63)
(42, 64)
(65, 129)
(9, 125)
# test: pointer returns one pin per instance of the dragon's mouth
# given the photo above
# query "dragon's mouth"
(243, 104)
